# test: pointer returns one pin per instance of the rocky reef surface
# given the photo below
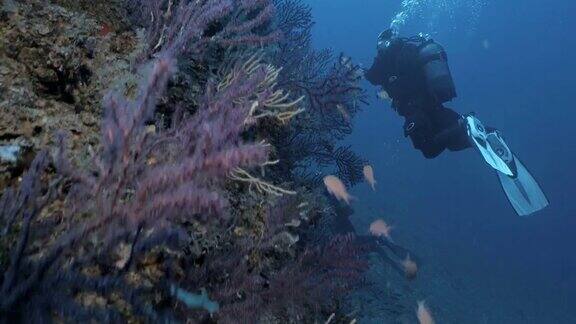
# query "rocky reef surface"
(55, 65)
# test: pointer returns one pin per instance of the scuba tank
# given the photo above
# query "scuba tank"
(436, 71)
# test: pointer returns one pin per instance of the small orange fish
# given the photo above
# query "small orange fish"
(380, 228)
(410, 267)
(369, 176)
(337, 188)
(423, 314)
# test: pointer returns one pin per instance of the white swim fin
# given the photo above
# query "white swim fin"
(520, 187)
(523, 191)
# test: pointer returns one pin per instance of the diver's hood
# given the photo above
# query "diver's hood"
(492, 147)
(385, 39)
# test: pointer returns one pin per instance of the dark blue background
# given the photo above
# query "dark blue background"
(514, 65)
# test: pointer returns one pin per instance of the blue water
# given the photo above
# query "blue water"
(514, 65)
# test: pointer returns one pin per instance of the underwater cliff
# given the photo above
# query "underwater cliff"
(155, 162)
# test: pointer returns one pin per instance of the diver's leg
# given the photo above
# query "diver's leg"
(419, 128)
(452, 133)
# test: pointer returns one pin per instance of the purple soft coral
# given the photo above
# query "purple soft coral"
(191, 26)
(144, 183)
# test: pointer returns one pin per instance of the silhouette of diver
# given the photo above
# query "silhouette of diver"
(414, 72)
(388, 251)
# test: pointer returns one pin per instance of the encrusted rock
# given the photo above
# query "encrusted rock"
(55, 68)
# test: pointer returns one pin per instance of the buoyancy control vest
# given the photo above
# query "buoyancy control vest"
(434, 62)
(414, 69)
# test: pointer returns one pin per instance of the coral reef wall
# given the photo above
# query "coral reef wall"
(154, 158)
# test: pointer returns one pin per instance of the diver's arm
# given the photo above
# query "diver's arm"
(375, 75)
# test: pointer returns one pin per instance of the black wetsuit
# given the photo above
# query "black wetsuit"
(431, 126)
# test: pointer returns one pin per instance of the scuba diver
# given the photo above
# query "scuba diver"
(414, 74)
